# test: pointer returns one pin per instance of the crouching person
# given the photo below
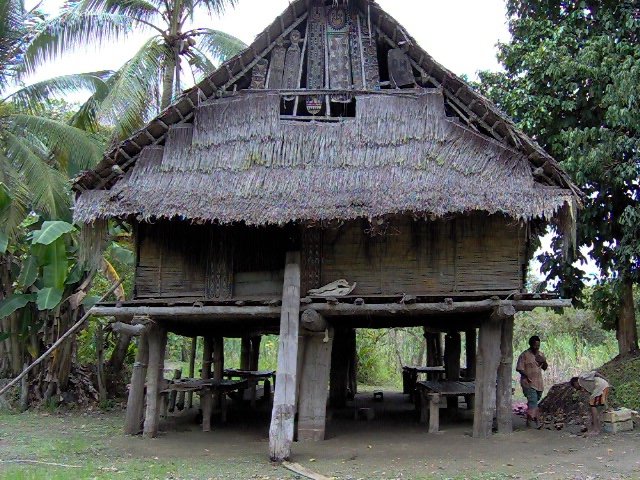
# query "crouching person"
(598, 389)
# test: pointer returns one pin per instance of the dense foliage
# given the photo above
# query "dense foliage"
(572, 81)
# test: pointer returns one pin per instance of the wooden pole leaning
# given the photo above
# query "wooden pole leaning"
(284, 403)
(58, 342)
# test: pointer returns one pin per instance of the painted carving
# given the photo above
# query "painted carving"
(276, 68)
(292, 63)
(259, 75)
(356, 52)
(400, 70)
(370, 56)
(315, 56)
(339, 54)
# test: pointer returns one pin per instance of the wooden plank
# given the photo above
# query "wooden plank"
(284, 403)
(314, 384)
(135, 402)
(504, 390)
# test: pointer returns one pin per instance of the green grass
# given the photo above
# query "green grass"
(624, 376)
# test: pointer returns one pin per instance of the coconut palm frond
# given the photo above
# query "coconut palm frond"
(200, 64)
(35, 98)
(48, 187)
(218, 45)
(74, 149)
(12, 215)
(138, 9)
(71, 29)
(213, 7)
(128, 103)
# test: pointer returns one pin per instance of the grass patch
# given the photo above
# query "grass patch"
(623, 374)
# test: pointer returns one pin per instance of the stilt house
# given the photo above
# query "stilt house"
(333, 148)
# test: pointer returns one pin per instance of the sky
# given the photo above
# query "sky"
(460, 34)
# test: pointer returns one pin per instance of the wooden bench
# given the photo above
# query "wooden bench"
(206, 388)
(253, 377)
(410, 376)
(431, 392)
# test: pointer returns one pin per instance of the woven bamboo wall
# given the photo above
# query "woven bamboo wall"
(178, 259)
(466, 254)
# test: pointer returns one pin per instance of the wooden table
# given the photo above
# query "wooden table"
(430, 393)
(410, 376)
(206, 388)
(253, 377)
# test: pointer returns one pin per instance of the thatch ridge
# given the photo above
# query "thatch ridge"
(479, 109)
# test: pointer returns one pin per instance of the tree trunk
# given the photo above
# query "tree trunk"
(168, 79)
(627, 329)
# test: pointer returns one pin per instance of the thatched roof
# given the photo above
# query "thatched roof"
(228, 156)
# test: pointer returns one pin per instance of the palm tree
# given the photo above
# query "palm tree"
(150, 80)
(38, 154)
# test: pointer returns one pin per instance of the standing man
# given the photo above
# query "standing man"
(598, 389)
(530, 365)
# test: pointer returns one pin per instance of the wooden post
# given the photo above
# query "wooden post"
(504, 389)
(340, 359)
(135, 401)
(452, 350)
(284, 403)
(434, 412)
(245, 354)
(157, 343)
(173, 396)
(255, 353)
(314, 382)
(206, 402)
(218, 366)
(352, 378)
(192, 368)
(488, 359)
(470, 349)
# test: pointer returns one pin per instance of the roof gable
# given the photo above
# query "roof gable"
(378, 40)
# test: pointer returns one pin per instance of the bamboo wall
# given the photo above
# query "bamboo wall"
(466, 254)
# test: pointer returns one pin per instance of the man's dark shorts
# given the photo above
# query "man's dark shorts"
(533, 396)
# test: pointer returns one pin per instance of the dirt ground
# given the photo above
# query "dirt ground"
(392, 446)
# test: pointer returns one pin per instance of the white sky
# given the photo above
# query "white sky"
(460, 34)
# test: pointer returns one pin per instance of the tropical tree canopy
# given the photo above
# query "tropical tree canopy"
(572, 80)
(155, 74)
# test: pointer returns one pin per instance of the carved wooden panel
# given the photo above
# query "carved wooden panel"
(311, 259)
(220, 271)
